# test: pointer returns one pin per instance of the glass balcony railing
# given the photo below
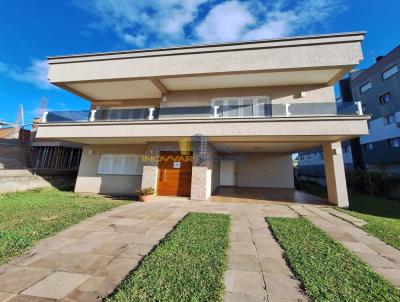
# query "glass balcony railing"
(255, 110)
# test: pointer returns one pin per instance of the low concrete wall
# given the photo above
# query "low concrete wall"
(21, 180)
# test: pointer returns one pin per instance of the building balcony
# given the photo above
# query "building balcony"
(300, 121)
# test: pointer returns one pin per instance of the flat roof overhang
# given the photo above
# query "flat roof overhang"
(142, 74)
(290, 134)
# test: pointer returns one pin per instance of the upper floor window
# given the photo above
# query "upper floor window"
(394, 142)
(391, 71)
(383, 99)
(369, 146)
(120, 164)
(364, 88)
(390, 119)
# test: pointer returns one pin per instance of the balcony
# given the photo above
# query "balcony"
(218, 111)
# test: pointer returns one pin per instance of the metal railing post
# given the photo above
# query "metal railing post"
(216, 111)
(92, 115)
(287, 112)
(151, 113)
(359, 108)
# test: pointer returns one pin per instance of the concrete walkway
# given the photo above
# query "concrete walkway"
(87, 261)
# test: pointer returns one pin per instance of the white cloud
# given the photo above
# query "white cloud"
(227, 21)
(138, 22)
(145, 23)
(35, 74)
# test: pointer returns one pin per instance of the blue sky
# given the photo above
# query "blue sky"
(32, 30)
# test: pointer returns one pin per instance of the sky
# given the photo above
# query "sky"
(32, 30)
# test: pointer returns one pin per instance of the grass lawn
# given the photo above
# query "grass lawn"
(27, 217)
(327, 269)
(382, 214)
(189, 265)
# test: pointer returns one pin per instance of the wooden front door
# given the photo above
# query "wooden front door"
(174, 174)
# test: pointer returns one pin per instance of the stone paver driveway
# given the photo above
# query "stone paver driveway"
(87, 261)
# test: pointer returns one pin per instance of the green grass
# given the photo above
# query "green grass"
(188, 265)
(27, 217)
(382, 215)
(328, 271)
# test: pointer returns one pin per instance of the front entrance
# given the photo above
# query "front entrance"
(174, 174)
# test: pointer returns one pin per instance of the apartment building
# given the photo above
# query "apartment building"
(378, 90)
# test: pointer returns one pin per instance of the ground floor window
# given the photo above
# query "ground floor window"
(120, 164)
(394, 142)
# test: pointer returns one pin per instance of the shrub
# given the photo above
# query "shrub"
(145, 191)
(372, 183)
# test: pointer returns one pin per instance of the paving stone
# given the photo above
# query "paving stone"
(21, 278)
(24, 298)
(358, 247)
(240, 229)
(94, 226)
(30, 257)
(283, 287)
(271, 250)
(55, 260)
(57, 285)
(100, 236)
(118, 268)
(87, 264)
(6, 268)
(74, 234)
(242, 248)
(244, 282)
(54, 243)
(391, 274)
(275, 266)
(92, 290)
(111, 248)
(232, 297)
(244, 263)
(384, 249)
(5, 296)
(80, 247)
(376, 260)
(136, 251)
(241, 237)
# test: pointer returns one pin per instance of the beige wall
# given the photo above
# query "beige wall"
(266, 170)
(277, 95)
(90, 182)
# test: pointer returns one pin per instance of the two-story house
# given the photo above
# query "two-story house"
(189, 120)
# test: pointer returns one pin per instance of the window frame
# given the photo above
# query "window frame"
(369, 146)
(227, 101)
(388, 94)
(396, 72)
(361, 87)
(390, 119)
(137, 169)
(396, 145)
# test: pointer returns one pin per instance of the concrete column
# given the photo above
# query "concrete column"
(150, 168)
(335, 174)
(201, 172)
(149, 177)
